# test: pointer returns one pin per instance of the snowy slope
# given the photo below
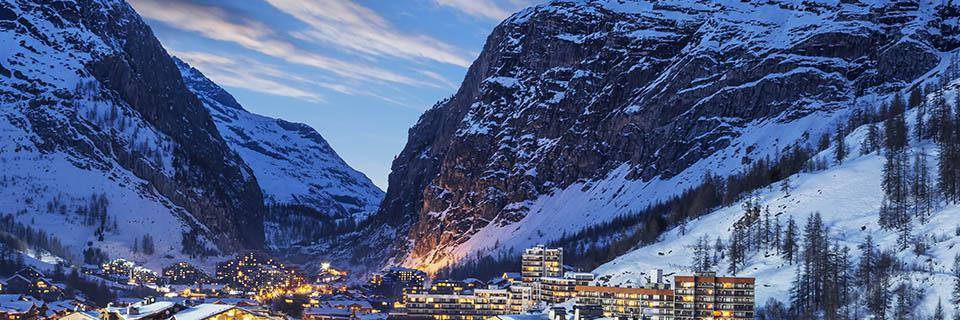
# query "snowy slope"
(848, 196)
(292, 162)
(79, 121)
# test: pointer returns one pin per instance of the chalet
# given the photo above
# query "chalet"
(148, 309)
(16, 307)
(30, 273)
(81, 315)
(217, 312)
(327, 313)
(41, 288)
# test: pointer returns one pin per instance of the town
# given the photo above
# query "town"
(252, 286)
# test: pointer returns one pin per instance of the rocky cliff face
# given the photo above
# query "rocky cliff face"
(93, 105)
(307, 186)
(577, 111)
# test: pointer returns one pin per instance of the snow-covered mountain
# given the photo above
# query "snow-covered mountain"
(102, 143)
(577, 112)
(296, 168)
(106, 140)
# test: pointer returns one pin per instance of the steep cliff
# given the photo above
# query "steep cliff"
(578, 111)
(102, 139)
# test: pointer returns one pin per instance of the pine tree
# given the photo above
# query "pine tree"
(767, 232)
(904, 305)
(868, 262)
(840, 145)
(718, 251)
(920, 187)
(736, 251)
(938, 312)
(956, 280)
(945, 126)
(702, 261)
(790, 241)
(918, 103)
(777, 234)
(871, 142)
(895, 127)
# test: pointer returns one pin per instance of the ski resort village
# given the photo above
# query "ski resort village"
(252, 286)
(480, 159)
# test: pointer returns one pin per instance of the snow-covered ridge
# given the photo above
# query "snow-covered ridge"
(292, 162)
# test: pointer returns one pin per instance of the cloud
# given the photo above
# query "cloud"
(350, 26)
(213, 23)
(489, 9)
(247, 74)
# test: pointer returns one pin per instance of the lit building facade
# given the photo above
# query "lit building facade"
(540, 262)
(707, 296)
(653, 303)
(558, 290)
(698, 297)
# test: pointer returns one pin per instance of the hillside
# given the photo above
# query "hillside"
(849, 197)
(577, 112)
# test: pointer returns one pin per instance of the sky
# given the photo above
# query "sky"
(360, 72)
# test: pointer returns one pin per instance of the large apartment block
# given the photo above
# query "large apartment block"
(697, 297)
(559, 289)
(651, 303)
(707, 296)
(540, 262)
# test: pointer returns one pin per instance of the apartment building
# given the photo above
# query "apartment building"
(540, 262)
(463, 305)
(559, 289)
(697, 297)
(707, 296)
(654, 303)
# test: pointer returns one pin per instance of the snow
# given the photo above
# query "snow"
(202, 311)
(848, 196)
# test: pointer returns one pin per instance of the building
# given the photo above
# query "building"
(449, 303)
(557, 290)
(213, 311)
(124, 270)
(342, 309)
(396, 281)
(522, 298)
(701, 296)
(654, 303)
(17, 307)
(705, 295)
(148, 309)
(540, 262)
(254, 272)
(38, 287)
(185, 274)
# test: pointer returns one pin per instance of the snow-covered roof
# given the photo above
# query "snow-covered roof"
(538, 316)
(202, 311)
(62, 305)
(16, 306)
(327, 311)
(347, 303)
(11, 297)
(143, 310)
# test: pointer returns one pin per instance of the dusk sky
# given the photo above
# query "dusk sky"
(360, 72)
